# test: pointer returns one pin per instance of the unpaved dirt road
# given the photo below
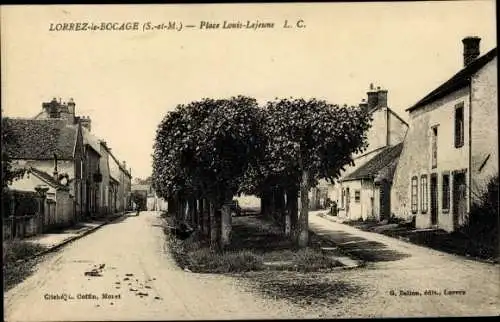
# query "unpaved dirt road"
(403, 279)
(135, 262)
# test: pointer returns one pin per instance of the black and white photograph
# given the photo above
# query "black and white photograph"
(249, 161)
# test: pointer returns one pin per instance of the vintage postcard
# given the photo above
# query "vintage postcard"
(249, 161)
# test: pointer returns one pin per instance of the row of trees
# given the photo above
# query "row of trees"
(210, 150)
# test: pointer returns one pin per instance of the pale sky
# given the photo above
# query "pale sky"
(127, 80)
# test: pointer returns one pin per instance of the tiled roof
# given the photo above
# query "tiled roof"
(373, 167)
(47, 178)
(459, 80)
(40, 139)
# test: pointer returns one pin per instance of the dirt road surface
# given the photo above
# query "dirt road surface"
(456, 286)
(135, 245)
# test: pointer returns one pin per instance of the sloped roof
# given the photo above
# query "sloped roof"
(47, 178)
(371, 169)
(459, 80)
(40, 139)
(91, 140)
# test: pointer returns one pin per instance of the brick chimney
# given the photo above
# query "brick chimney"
(382, 97)
(71, 108)
(471, 49)
(363, 105)
(372, 97)
(52, 108)
(85, 122)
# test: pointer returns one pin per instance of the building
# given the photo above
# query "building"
(362, 191)
(49, 148)
(106, 184)
(451, 149)
(121, 183)
(91, 173)
(58, 208)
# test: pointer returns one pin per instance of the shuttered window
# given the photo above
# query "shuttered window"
(414, 194)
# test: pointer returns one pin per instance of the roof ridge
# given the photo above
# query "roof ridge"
(457, 81)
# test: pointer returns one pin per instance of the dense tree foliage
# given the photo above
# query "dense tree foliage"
(214, 149)
(9, 174)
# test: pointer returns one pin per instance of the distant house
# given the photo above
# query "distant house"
(371, 184)
(123, 179)
(49, 148)
(153, 202)
(451, 149)
(363, 190)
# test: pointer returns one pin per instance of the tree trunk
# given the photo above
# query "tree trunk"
(291, 211)
(303, 222)
(213, 226)
(279, 201)
(205, 210)
(225, 226)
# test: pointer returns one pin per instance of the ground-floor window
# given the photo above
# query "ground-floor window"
(414, 194)
(423, 194)
(446, 192)
(357, 196)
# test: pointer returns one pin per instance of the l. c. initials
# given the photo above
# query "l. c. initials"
(299, 24)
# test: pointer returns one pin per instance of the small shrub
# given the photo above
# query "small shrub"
(482, 225)
(309, 260)
(207, 260)
(18, 249)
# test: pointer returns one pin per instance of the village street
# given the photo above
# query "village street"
(134, 245)
(136, 262)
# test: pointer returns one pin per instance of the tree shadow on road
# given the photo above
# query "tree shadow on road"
(362, 248)
(304, 288)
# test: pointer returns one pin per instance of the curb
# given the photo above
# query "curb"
(69, 240)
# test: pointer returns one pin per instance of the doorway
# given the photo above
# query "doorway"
(434, 198)
(459, 199)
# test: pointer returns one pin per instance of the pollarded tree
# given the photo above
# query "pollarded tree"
(202, 150)
(310, 140)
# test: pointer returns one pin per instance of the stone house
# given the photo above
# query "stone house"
(122, 183)
(105, 186)
(92, 173)
(451, 149)
(362, 191)
(58, 208)
(50, 148)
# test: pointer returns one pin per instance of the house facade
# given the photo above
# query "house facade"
(92, 172)
(50, 148)
(363, 190)
(451, 149)
(105, 186)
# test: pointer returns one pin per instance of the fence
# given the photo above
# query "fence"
(20, 226)
(22, 214)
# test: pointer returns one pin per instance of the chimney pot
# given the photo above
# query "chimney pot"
(471, 49)
(372, 97)
(382, 97)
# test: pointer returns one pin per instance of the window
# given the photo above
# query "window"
(423, 193)
(414, 195)
(459, 125)
(446, 192)
(434, 146)
(357, 195)
(342, 199)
